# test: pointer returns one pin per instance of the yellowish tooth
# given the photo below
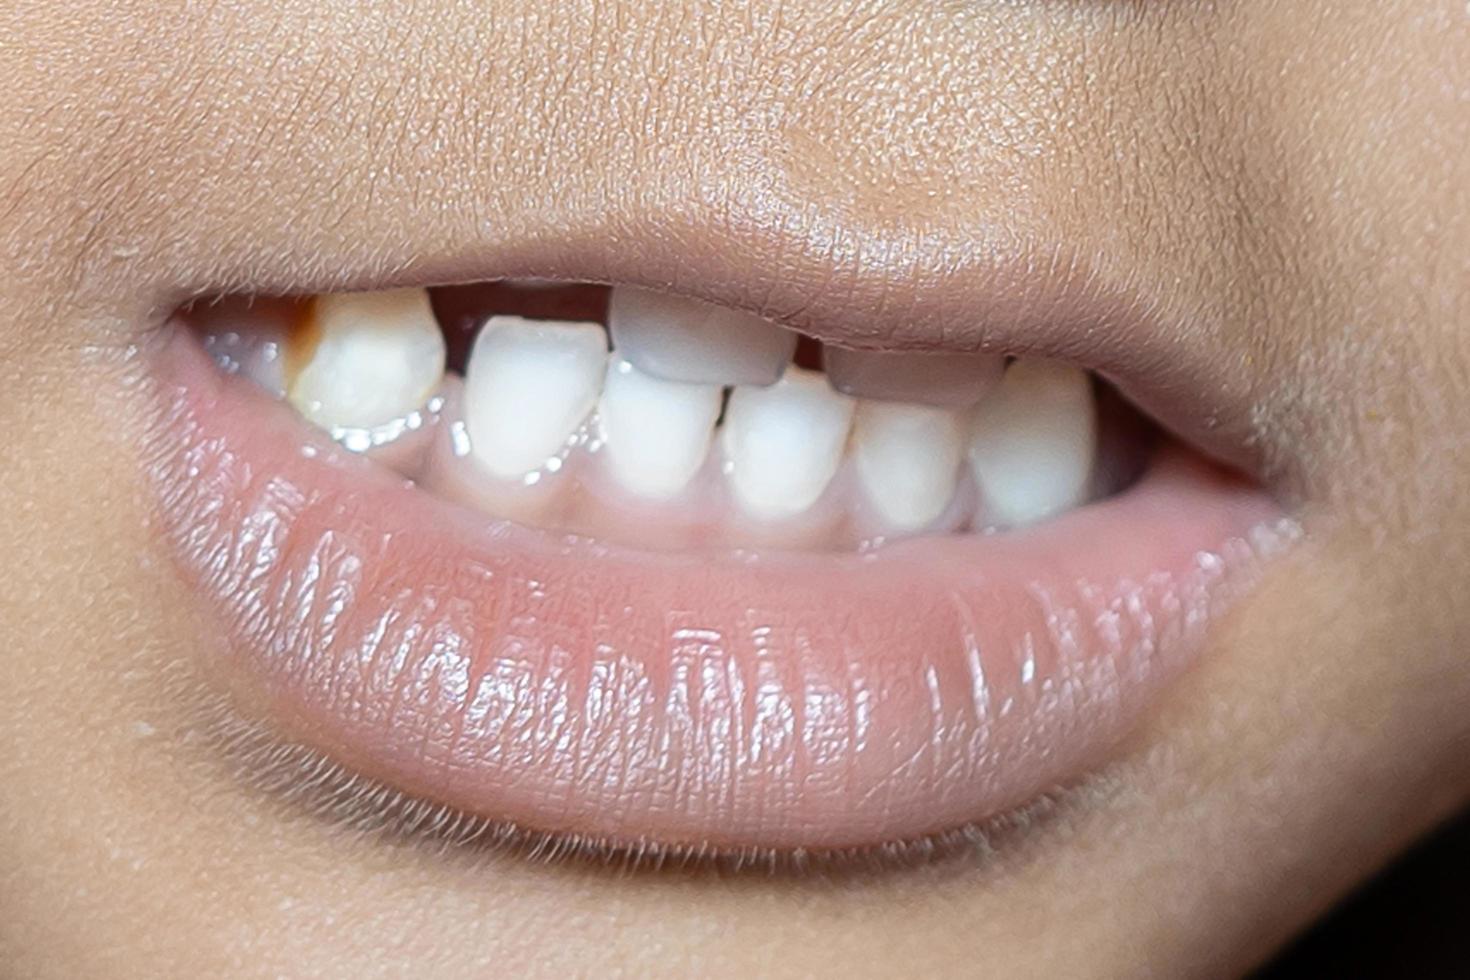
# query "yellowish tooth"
(1034, 442)
(377, 357)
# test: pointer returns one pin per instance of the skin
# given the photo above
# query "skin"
(1295, 171)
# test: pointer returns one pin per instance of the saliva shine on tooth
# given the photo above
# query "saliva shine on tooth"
(377, 357)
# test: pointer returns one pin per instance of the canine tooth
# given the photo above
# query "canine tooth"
(783, 443)
(946, 380)
(1033, 442)
(656, 432)
(686, 340)
(528, 386)
(908, 459)
(378, 357)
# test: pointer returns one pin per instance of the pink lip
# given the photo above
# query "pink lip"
(784, 701)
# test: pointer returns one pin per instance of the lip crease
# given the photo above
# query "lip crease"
(782, 701)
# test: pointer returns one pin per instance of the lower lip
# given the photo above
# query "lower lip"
(781, 701)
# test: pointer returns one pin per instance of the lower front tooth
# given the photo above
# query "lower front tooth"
(529, 385)
(378, 357)
(1033, 443)
(908, 460)
(783, 443)
(656, 432)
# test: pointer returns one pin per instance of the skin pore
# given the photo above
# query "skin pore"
(1285, 177)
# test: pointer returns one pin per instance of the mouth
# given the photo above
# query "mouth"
(637, 565)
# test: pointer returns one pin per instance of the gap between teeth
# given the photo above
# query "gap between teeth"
(695, 426)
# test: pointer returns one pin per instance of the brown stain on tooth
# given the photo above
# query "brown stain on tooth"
(303, 335)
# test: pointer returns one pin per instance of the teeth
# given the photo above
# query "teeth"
(378, 357)
(1033, 443)
(657, 432)
(946, 380)
(783, 444)
(528, 387)
(908, 459)
(686, 340)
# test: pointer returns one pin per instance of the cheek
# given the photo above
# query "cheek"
(1359, 282)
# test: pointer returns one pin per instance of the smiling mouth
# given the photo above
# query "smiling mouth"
(646, 569)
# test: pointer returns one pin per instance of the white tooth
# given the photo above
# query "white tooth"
(783, 444)
(686, 340)
(1033, 443)
(947, 380)
(378, 357)
(657, 432)
(908, 459)
(529, 385)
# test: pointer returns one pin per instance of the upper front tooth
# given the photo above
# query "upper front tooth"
(783, 444)
(908, 459)
(529, 386)
(948, 380)
(1033, 443)
(686, 340)
(657, 432)
(378, 357)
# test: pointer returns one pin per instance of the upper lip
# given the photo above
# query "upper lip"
(986, 286)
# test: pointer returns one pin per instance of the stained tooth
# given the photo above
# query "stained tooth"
(783, 443)
(529, 385)
(1033, 443)
(657, 432)
(378, 357)
(686, 340)
(947, 380)
(908, 459)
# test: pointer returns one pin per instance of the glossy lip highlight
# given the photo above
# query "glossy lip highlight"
(784, 702)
